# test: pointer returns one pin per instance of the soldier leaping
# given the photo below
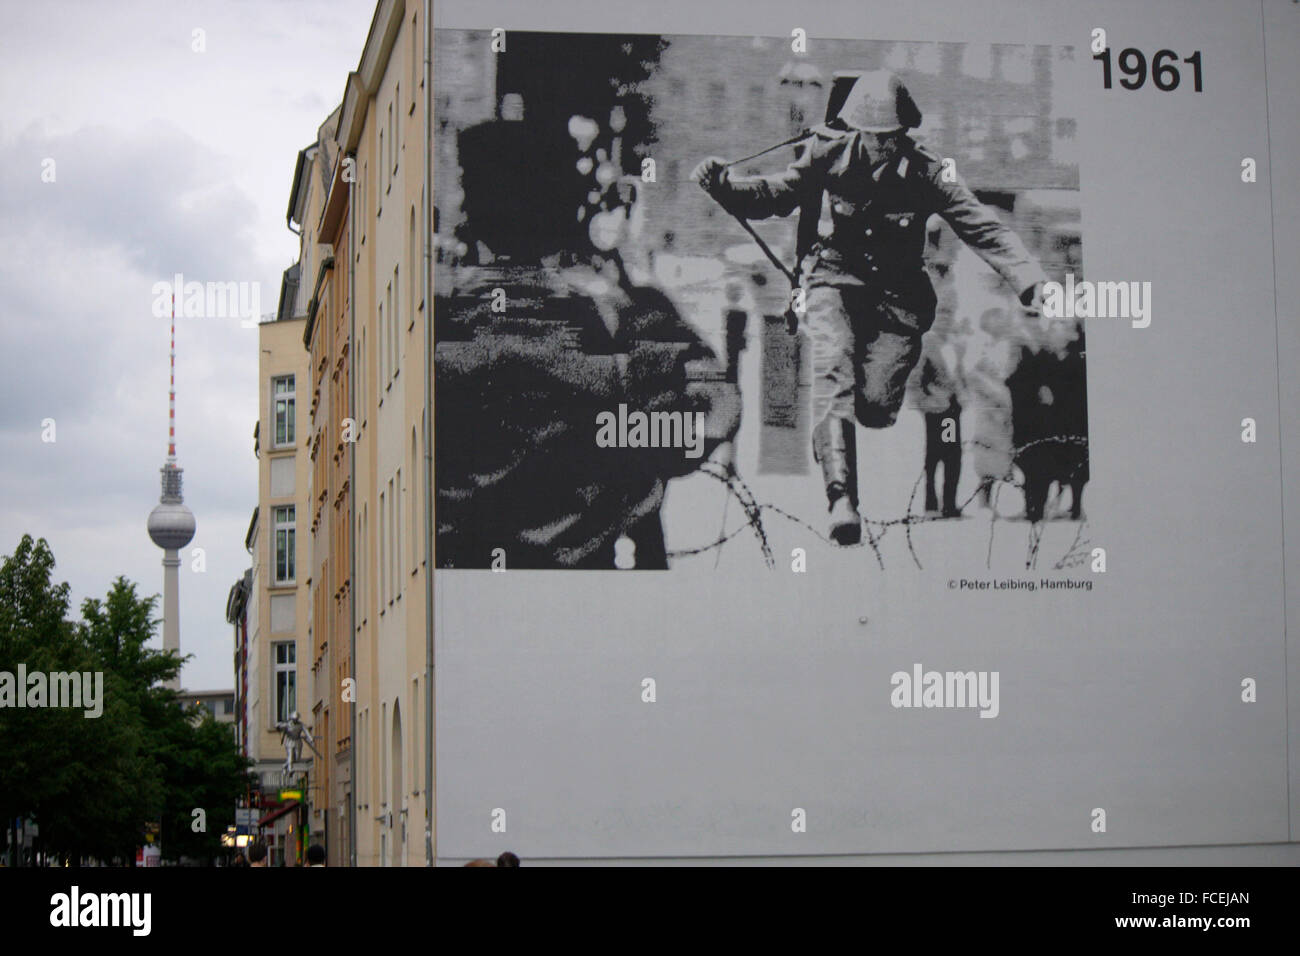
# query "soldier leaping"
(867, 296)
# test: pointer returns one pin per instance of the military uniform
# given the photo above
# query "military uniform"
(868, 298)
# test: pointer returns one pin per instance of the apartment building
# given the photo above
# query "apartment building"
(327, 339)
(358, 203)
(382, 128)
(277, 607)
(220, 704)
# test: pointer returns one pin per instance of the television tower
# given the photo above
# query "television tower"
(171, 524)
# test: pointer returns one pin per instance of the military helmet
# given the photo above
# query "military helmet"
(872, 100)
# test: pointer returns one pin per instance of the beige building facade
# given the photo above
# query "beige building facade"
(383, 128)
(359, 202)
(278, 604)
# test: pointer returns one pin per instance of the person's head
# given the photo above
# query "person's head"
(521, 190)
(507, 859)
(877, 102)
(257, 853)
(315, 855)
(480, 862)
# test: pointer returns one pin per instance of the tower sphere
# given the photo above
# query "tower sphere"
(171, 525)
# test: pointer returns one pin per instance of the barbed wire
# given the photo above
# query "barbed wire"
(876, 529)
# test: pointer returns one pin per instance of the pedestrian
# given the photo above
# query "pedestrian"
(866, 295)
(257, 853)
(315, 855)
(507, 859)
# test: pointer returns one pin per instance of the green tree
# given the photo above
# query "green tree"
(93, 783)
(202, 769)
(195, 762)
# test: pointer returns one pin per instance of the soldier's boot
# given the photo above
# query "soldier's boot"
(1076, 500)
(835, 448)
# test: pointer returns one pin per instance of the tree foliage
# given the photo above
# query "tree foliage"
(92, 784)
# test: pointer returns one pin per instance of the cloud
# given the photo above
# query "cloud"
(166, 161)
(82, 347)
(155, 193)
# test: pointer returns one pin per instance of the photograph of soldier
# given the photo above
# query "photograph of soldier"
(579, 269)
(869, 300)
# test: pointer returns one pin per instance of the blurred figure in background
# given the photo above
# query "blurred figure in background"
(935, 390)
(1050, 416)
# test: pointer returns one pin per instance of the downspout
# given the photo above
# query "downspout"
(427, 146)
(352, 517)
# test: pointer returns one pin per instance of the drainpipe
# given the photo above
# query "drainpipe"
(352, 502)
(428, 434)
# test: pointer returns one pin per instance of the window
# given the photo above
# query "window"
(286, 679)
(284, 543)
(383, 349)
(282, 389)
(424, 272)
(360, 410)
(363, 569)
(397, 537)
(415, 58)
(392, 331)
(424, 541)
(379, 204)
(388, 552)
(392, 140)
(412, 255)
(383, 552)
(416, 531)
(414, 752)
(359, 743)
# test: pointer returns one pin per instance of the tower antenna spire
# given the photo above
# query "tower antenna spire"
(171, 524)
(171, 394)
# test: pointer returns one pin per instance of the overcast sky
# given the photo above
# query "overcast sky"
(166, 160)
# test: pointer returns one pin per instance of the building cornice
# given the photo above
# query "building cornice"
(363, 83)
(379, 43)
